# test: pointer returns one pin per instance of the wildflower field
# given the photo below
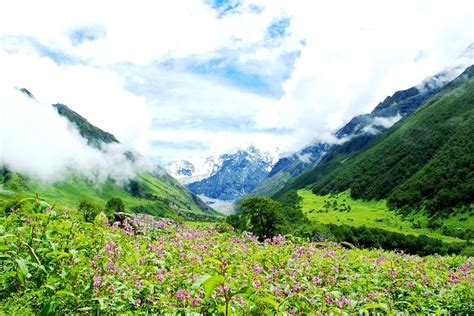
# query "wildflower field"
(54, 262)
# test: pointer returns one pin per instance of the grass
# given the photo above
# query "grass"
(67, 194)
(334, 209)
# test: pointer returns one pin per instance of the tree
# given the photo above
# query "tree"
(114, 205)
(234, 221)
(263, 214)
(90, 210)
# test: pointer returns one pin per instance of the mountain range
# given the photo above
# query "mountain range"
(377, 155)
(226, 177)
(231, 180)
(423, 163)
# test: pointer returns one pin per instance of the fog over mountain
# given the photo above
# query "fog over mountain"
(47, 146)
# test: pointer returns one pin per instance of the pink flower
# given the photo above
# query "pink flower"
(278, 240)
(257, 284)
(411, 285)
(159, 275)
(317, 281)
(110, 247)
(257, 269)
(296, 287)
(138, 302)
(342, 302)
(112, 268)
(138, 282)
(453, 279)
(373, 295)
(278, 291)
(328, 299)
(182, 295)
(224, 288)
(300, 252)
(97, 282)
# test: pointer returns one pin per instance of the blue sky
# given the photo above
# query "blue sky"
(198, 77)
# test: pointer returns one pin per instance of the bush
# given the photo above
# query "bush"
(90, 210)
(114, 205)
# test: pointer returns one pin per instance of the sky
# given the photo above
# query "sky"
(183, 78)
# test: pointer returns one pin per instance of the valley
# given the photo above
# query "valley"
(230, 157)
(341, 209)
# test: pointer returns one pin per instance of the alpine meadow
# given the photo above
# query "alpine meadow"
(236, 157)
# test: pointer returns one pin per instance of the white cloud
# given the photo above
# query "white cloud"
(354, 55)
(139, 32)
(94, 93)
(37, 142)
(357, 53)
(387, 122)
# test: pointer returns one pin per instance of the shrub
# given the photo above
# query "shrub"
(90, 209)
(114, 205)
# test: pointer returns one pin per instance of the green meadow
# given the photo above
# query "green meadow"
(342, 209)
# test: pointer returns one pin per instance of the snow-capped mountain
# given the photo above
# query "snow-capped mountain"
(200, 168)
(238, 174)
(228, 176)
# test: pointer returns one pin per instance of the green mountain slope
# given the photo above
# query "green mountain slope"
(94, 135)
(145, 194)
(154, 192)
(425, 161)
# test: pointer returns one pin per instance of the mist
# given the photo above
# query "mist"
(36, 141)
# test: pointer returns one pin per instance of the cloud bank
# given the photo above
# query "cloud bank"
(180, 78)
(39, 143)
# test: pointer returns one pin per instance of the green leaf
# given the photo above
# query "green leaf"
(58, 254)
(211, 283)
(65, 293)
(375, 306)
(201, 280)
(245, 291)
(270, 301)
(22, 270)
(213, 260)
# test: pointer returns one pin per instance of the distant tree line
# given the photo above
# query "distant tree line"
(266, 218)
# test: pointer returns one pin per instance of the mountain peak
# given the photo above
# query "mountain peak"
(468, 52)
(94, 135)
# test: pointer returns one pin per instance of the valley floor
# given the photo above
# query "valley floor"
(342, 209)
(54, 262)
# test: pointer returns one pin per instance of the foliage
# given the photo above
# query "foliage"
(260, 215)
(368, 237)
(177, 200)
(56, 263)
(341, 209)
(114, 205)
(90, 209)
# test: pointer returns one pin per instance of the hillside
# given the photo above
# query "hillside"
(424, 162)
(94, 135)
(154, 192)
(290, 166)
(358, 133)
